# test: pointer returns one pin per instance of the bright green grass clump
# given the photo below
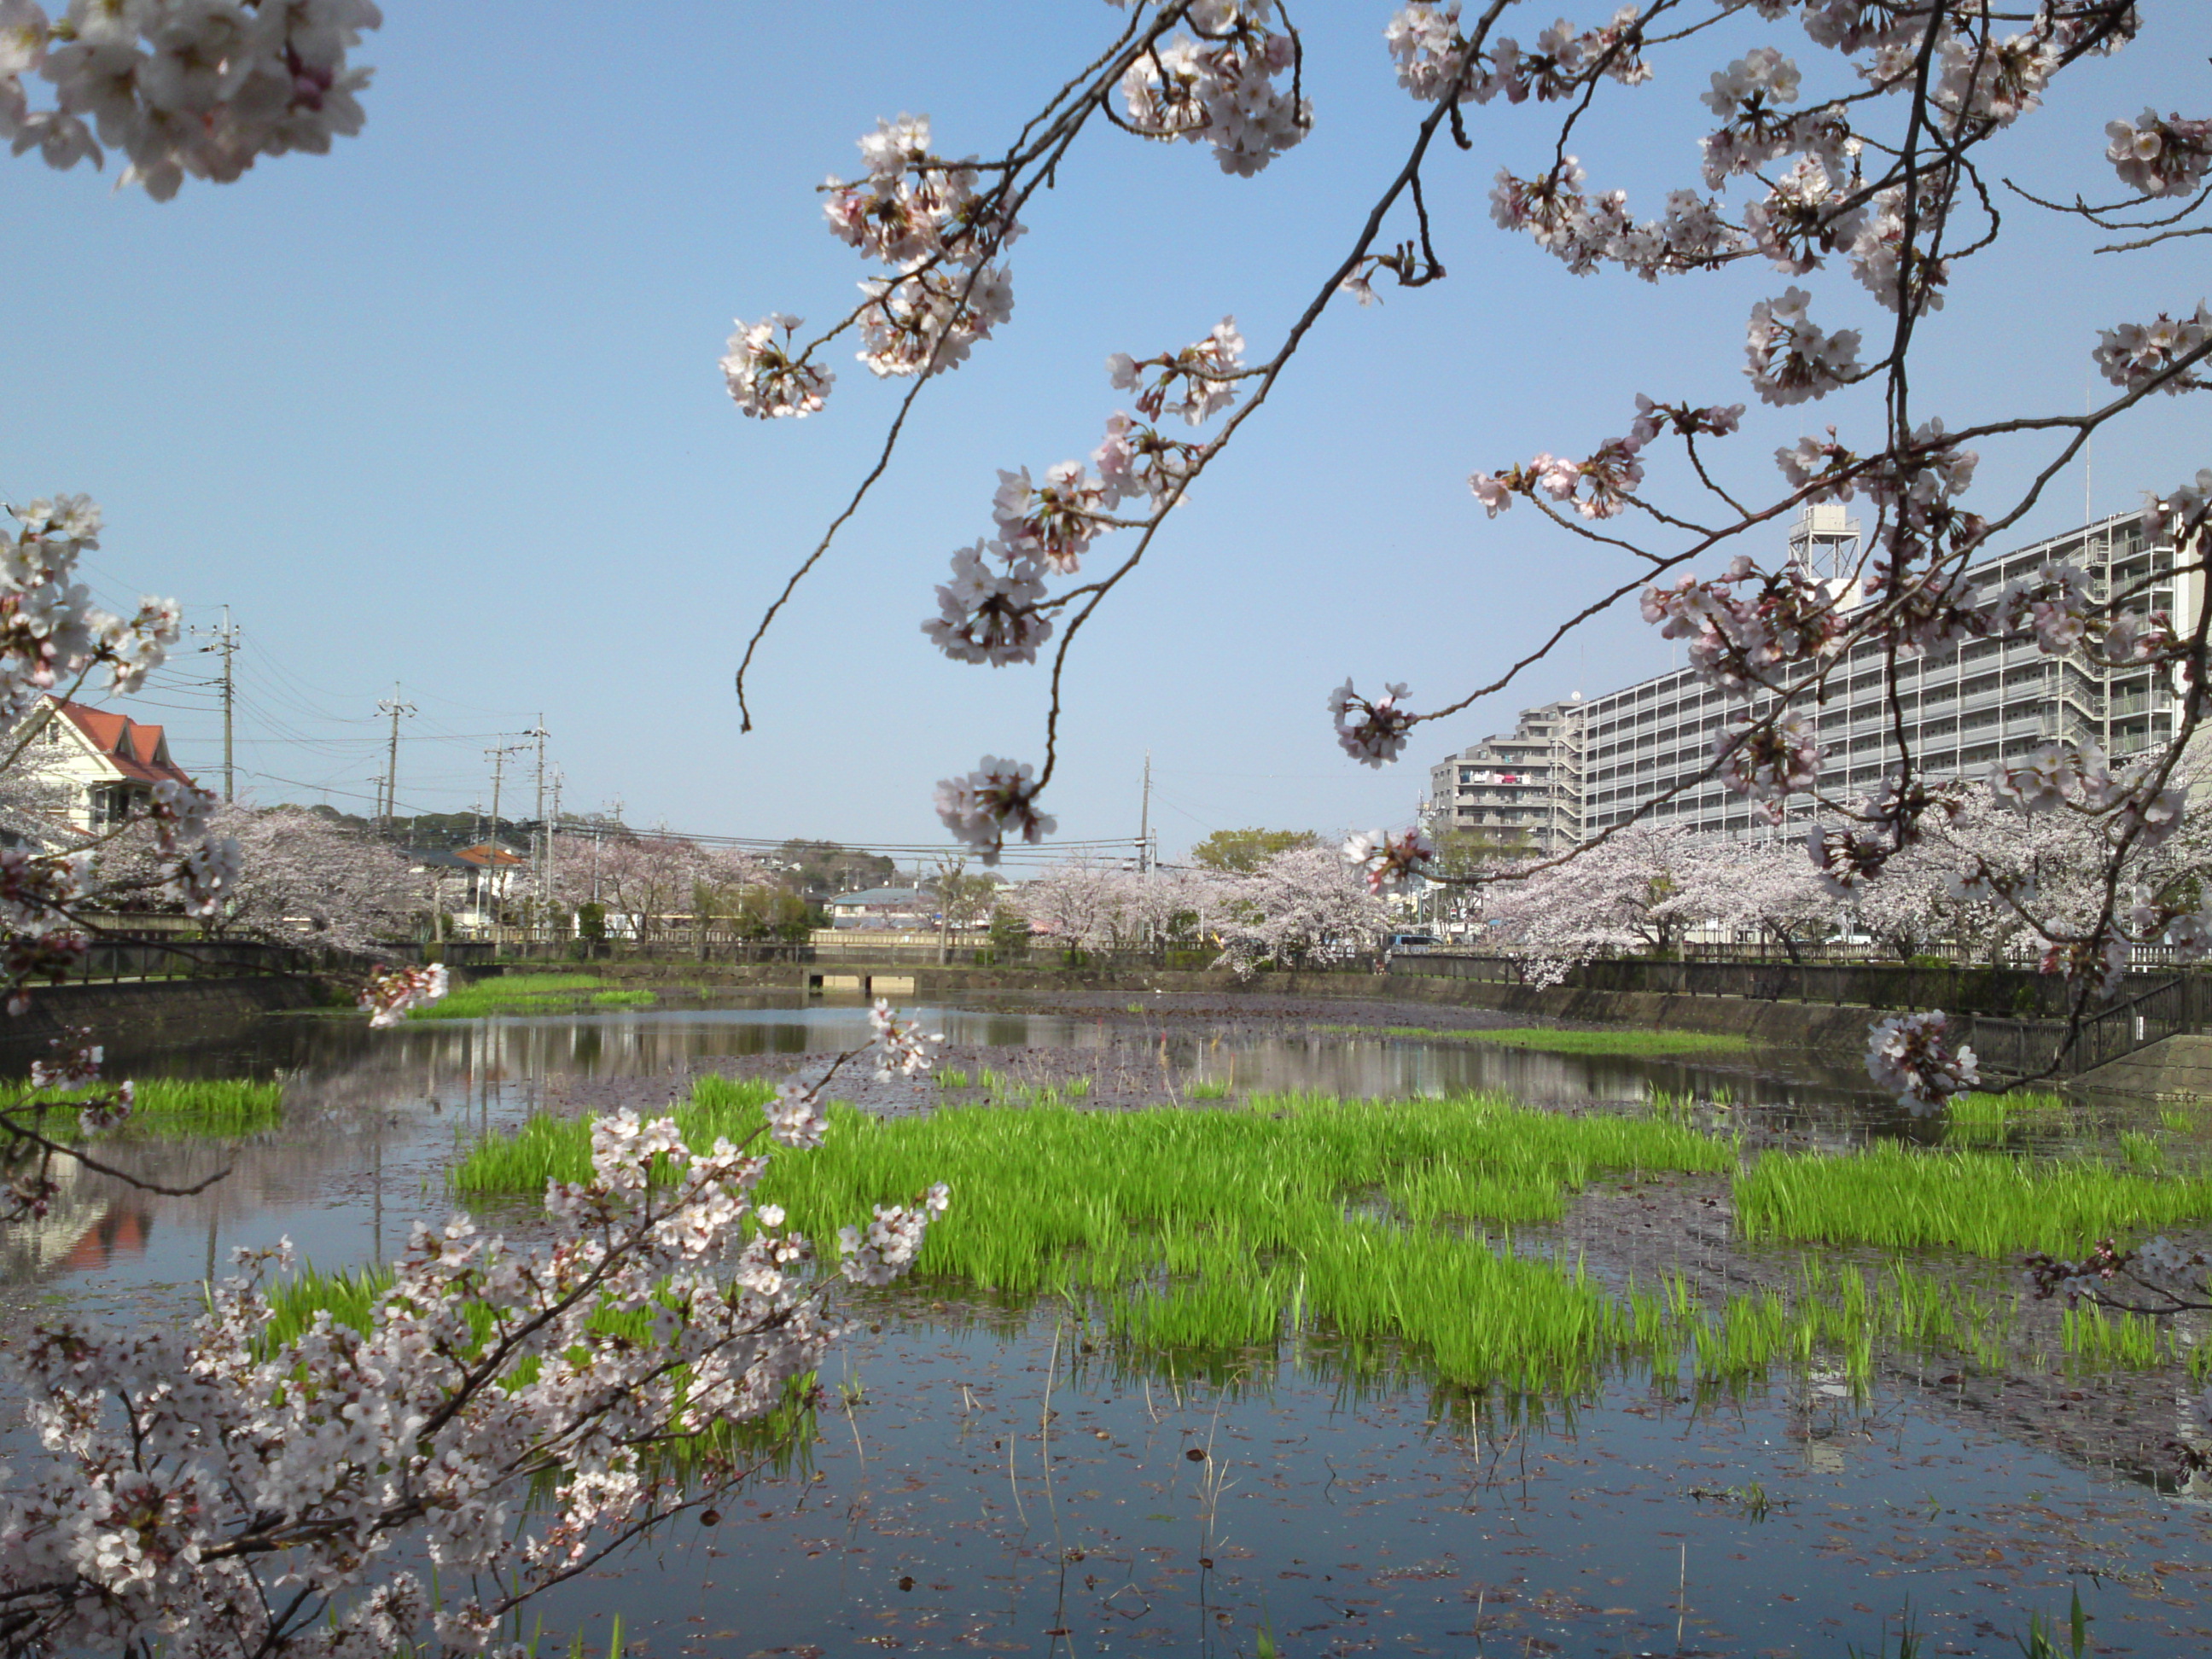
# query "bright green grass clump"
(1983, 1118)
(524, 993)
(1903, 1199)
(1570, 1042)
(207, 1106)
(559, 1149)
(2097, 1341)
(294, 1303)
(197, 1106)
(1226, 1227)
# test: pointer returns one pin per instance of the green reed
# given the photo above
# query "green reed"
(1385, 1227)
(2097, 1341)
(1986, 1119)
(1901, 1198)
(294, 1301)
(1227, 1227)
(524, 993)
(559, 1149)
(195, 1106)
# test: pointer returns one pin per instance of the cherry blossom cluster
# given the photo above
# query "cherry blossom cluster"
(923, 322)
(1585, 231)
(795, 1117)
(1745, 627)
(1054, 522)
(992, 611)
(2136, 355)
(1878, 257)
(889, 1245)
(914, 205)
(989, 614)
(198, 89)
(899, 1047)
(1911, 1055)
(210, 1490)
(2159, 157)
(1372, 733)
(1197, 382)
(391, 992)
(1602, 486)
(2077, 775)
(1894, 819)
(51, 633)
(765, 380)
(1426, 43)
(1988, 80)
(2105, 957)
(920, 214)
(1390, 862)
(2181, 514)
(1845, 859)
(1222, 87)
(1767, 759)
(1790, 357)
(997, 798)
(1135, 461)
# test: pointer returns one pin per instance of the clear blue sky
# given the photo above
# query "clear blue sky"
(442, 408)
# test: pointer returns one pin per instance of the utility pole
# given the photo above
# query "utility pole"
(225, 640)
(539, 836)
(393, 706)
(555, 819)
(1144, 820)
(491, 859)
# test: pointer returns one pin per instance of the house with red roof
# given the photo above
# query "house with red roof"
(97, 764)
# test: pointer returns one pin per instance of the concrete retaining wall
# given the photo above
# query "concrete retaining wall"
(165, 1011)
(2173, 1068)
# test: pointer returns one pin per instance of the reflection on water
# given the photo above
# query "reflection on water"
(1141, 1511)
(373, 1118)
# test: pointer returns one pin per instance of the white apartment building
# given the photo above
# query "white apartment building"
(1520, 792)
(1964, 706)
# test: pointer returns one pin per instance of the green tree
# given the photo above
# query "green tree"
(1245, 850)
(771, 912)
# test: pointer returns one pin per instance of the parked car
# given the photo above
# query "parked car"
(1409, 943)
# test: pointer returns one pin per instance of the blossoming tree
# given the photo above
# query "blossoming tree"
(1851, 157)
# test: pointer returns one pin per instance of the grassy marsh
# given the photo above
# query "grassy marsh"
(1985, 1119)
(197, 1106)
(1388, 1227)
(526, 994)
(1228, 1227)
(1901, 1198)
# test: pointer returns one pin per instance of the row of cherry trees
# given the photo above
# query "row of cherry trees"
(1986, 881)
(1300, 907)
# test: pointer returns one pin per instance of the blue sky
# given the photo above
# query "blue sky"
(442, 408)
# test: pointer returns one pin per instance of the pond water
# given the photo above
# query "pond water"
(1342, 1520)
(1338, 1510)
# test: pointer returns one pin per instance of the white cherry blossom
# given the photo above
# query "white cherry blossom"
(999, 797)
